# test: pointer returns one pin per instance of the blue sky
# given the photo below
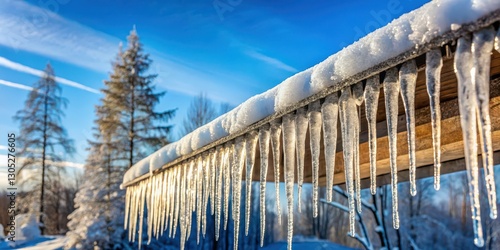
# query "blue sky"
(229, 49)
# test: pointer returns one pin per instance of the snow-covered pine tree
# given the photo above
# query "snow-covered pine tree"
(127, 129)
(41, 142)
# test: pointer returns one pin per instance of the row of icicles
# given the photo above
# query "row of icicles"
(173, 195)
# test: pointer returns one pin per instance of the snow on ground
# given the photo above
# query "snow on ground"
(40, 243)
(28, 236)
(307, 245)
(409, 31)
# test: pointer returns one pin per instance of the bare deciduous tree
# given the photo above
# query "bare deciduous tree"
(42, 141)
(201, 111)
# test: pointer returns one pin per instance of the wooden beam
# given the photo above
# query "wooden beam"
(447, 167)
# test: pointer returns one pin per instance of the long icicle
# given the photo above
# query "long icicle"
(166, 201)
(434, 63)
(176, 202)
(239, 160)
(347, 110)
(391, 93)
(199, 198)
(408, 81)
(150, 206)
(206, 192)
(357, 94)
(482, 45)
(315, 124)
(289, 164)
(229, 148)
(264, 135)
(330, 112)
(251, 147)
(301, 127)
(468, 105)
(371, 94)
(189, 191)
(218, 194)
(183, 206)
(128, 193)
(275, 145)
(213, 160)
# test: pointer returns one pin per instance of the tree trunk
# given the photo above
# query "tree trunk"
(44, 148)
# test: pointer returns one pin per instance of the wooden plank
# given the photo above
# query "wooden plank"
(447, 167)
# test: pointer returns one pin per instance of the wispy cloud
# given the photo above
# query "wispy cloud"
(30, 28)
(74, 43)
(28, 70)
(271, 61)
(15, 85)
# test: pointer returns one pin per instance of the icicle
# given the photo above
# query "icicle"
(329, 112)
(228, 148)
(434, 63)
(183, 207)
(165, 203)
(128, 193)
(206, 192)
(371, 94)
(144, 202)
(264, 134)
(176, 202)
(391, 92)
(347, 110)
(357, 93)
(199, 197)
(315, 124)
(468, 105)
(133, 214)
(213, 158)
(497, 41)
(408, 80)
(482, 46)
(189, 195)
(251, 147)
(288, 127)
(150, 206)
(239, 160)
(218, 195)
(159, 203)
(275, 145)
(301, 127)
(129, 201)
(147, 201)
(171, 201)
(133, 200)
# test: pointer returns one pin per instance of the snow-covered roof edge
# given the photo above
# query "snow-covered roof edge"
(411, 32)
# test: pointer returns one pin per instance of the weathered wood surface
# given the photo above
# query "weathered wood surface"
(451, 139)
